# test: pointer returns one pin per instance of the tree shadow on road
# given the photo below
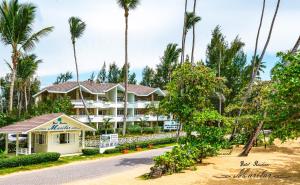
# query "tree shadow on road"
(134, 161)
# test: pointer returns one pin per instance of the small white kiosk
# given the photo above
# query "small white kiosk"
(49, 133)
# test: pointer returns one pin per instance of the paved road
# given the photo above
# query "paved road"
(82, 170)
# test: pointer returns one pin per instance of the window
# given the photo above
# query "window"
(41, 139)
(64, 138)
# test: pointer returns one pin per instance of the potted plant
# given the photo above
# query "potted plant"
(138, 148)
(125, 149)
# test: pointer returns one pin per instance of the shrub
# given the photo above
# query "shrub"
(134, 129)
(112, 151)
(90, 151)
(24, 160)
(148, 130)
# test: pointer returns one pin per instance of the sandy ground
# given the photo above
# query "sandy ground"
(276, 165)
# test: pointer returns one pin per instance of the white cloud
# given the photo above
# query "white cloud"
(151, 27)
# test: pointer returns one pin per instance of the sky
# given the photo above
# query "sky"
(153, 25)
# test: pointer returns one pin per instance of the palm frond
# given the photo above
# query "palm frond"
(34, 38)
(190, 20)
(128, 4)
(77, 27)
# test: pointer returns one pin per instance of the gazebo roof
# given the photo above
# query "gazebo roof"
(30, 124)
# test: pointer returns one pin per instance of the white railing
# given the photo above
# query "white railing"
(23, 151)
(119, 118)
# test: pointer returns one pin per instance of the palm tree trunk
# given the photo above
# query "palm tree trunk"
(296, 46)
(254, 69)
(220, 98)
(194, 35)
(254, 137)
(80, 91)
(183, 34)
(126, 73)
(13, 78)
(25, 98)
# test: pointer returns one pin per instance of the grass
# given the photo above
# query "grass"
(70, 159)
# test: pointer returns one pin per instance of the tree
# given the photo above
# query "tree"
(101, 77)
(63, 77)
(16, 22)
(77, 28)
(255, 69)
(189, 92)
(113, 73)
(148, 76)
(190, 20)
(168, 64)
(26, 68)
(92, 77)
(183, 33)
(131, 76)
(126, 5)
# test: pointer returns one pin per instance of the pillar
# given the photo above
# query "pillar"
(29, 142)
(83, 139)
(6, 143)
(17, 143)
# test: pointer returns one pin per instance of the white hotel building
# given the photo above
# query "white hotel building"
(105, 101)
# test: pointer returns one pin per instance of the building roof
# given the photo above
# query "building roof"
(100, 88)
(30, 124)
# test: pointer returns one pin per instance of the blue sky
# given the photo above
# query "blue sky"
(152, 26)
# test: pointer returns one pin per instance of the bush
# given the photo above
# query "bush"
(24, 160)
(134, 129)
(148, 130)
(112, 151)
(90, 151)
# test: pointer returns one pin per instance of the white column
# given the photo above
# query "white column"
(83, 139)
(6, 143)
(17, 143)
(116, 109)
(29, 142)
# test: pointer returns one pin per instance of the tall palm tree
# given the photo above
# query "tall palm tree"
(249, 90)
(194, 34)
(126, 5)
(77, 28)
(190, 20)
(183, 33)
(16, 22)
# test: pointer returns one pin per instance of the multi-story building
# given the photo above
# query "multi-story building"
(105, 101)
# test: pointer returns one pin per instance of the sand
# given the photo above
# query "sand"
(276, 165)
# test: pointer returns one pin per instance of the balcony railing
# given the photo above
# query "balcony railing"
(120, 118)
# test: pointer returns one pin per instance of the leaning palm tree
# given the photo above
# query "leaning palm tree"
(16, 22)
(77, 28)
(190, 20)
(126, 5)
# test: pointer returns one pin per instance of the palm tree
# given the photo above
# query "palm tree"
(194, 34)
(16, 21)
(254, 74)
(190, 20)
(63, 77)
(77, 28)
(183, 33)
(27, 67)
(126, 5)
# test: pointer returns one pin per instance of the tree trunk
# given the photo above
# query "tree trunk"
(80, 91)
(25, 99)
(13, 78)
(194, 35)
(126, 73)
(296, 46)
(220, 98)
(254, 137)
(183, 34)
(254, 69)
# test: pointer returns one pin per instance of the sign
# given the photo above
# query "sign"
(171, 125)
(108, 141)
(58, 125)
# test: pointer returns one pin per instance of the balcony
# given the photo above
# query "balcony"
(119, 118)
(119, 104)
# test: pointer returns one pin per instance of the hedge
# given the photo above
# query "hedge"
(90, 151)
(24, 160)
(142, 144)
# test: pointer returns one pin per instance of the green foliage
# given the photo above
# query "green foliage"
(90, 151)
(24, 160)
(63, 77)
(112, 151)
(188, 91)
(148, 76)
(285, 97)
(61, 104)
(134, 129)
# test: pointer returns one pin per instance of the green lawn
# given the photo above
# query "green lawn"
(69, 159)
